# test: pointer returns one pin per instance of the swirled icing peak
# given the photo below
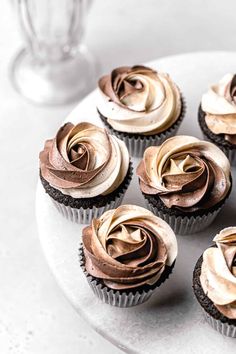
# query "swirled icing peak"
(139, 100)
(186, 173)
(84, 161)
(218, 272)
(128, 247)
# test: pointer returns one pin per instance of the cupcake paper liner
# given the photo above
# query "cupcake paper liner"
(212, 315)
(187, 224)
(110, 296)
(116, 297)
(230, 153)
(82, 215)
(85, 216)
(137, 144)
(224, 328)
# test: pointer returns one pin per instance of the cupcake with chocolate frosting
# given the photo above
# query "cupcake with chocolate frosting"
(126, 254)
(214, 282)
(217, 115)
(141, 106)
(85, 171)
(185, 181)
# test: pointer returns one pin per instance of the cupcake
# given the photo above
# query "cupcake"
(214, 282)
(126, 254)
(141, 106)
(217, 115)
(85, 171)
(185, 181)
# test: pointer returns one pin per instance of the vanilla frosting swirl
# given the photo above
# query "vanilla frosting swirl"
(218, 272)
(186, 173)
(139, 100)
(84, 161)
(219, 104)
(128, 247)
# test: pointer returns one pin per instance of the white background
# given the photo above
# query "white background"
(34, 315)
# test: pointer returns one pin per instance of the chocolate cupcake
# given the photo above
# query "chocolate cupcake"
(185, 181)
(126, 254)
(214, 282)
(217, 115)
(141, 106)
(85, 171)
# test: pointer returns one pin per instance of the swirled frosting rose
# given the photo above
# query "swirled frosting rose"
(84, 161)
(185, 173)
(218, 272)
(128, 247)
(219, 104)
(139, 100)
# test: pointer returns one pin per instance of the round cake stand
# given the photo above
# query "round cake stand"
(171, 321)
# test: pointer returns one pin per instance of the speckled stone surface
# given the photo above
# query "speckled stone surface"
(172, 321)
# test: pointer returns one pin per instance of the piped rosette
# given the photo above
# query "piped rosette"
(140, 105)
(184, 174)
(83, 167)
(128, 249)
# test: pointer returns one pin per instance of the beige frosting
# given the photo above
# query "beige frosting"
(218, 272)
(139, 100)
(84, 161)
(186, 173)
(219, 104)
(128, 247)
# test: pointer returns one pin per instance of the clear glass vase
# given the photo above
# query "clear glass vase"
(54, 67)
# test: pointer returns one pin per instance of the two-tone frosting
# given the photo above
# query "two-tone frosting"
(139, 100)
(84, 161)
(128, 247)
(219, 104)
(185, 173)
(218, 272)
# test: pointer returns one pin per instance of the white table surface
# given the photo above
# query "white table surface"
(35, 317)
(172, 319)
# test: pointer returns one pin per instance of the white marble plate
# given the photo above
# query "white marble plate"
(171, 322)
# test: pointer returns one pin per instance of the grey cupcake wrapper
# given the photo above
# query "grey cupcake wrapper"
(137, 144)
(113, 297)
(85, 215)
(185, 225)
(223, 328)
(230, 153)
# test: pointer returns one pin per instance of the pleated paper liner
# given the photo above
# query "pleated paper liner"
(185, 225)
(136, 143)
(212, 315)
(121, 298)
(230, 153)
(223, 328)
(84, 215)
(190, 223)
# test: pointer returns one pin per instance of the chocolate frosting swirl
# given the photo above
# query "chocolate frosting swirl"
(128, 247)
(84, 161)
(185, 173)
(218, 272)
(219, 104)
(139, 100)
